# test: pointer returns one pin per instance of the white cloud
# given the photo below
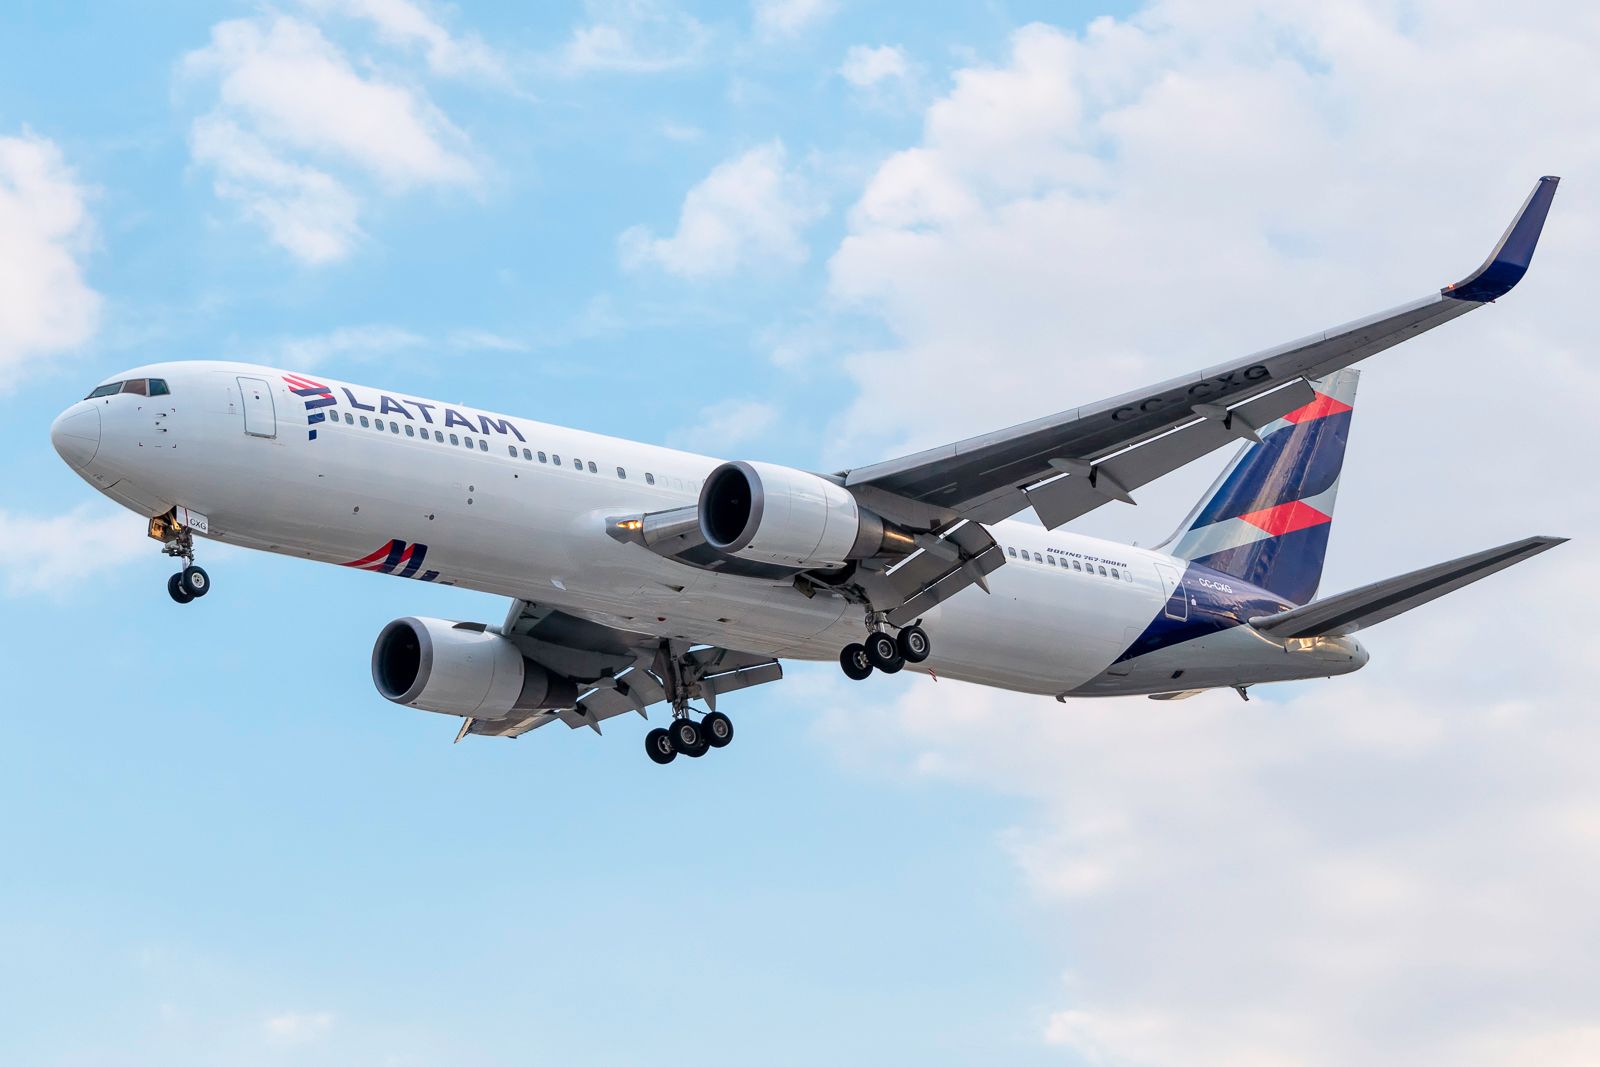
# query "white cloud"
(727, 425)
(298, 1028)
(634, 37)
(304, 210)
(787, 18)
(296, 128)
(47, 554)
(401, 22)
(750, 211)
(865, 66)
(357, 344)
(1391, 868)
(46, 306)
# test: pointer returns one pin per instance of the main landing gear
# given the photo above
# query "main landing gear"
(882, 652)
(685, 737)
(192, 581)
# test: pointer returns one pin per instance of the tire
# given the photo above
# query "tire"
(176, 590)
(659, 746)
(717, 729)
(195, 581)
(913, 644)
(853, 658)
(884, 653)
(687, 738)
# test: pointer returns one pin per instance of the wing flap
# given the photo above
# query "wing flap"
(1088, 485)
(1345, 613)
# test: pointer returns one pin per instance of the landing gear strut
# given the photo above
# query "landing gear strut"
(883, 652)
(685, 737)
(192, 581)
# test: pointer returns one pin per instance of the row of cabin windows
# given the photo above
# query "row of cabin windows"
(1067, 563)
(481, 445)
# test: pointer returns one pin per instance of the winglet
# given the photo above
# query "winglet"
(1509, 261)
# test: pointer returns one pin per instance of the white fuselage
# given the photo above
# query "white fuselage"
(522, 511)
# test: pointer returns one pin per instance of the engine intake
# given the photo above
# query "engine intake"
(460, 668)
(762, 511)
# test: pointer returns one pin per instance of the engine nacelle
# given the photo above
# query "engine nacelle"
(781, 515)
(461, 669)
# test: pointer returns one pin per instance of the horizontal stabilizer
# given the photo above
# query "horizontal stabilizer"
(1346, 613)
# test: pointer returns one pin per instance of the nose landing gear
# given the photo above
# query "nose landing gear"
(178, 541)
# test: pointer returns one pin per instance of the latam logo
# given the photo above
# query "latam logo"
(315, 394)
(397, 558)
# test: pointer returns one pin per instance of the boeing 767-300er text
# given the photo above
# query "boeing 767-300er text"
(640, 575)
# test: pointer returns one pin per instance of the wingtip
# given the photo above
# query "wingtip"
(1511, 257)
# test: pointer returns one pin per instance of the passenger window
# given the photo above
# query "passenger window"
(577, 464)
(555, 459)
(453, 438)
(649, 479)
(1050, 560)
(1102, 572)
(409, 431)
(1038, 558)
(136, 385)
(483, 446)
(622, 473)
(363, 422)
(513, 450)
(438, 435)
(158, 387)
(349, 420)
(1075, 566)
(1115, 575)
(541, 457)
(1011, 552)
(394, 427)
(592, 468)
(527, 455)
(467, 441)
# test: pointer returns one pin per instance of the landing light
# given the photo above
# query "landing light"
(631, 524)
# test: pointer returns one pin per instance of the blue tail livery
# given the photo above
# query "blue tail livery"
(1266, 519)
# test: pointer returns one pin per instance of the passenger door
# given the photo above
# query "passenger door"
(1177, 601)
(260, 414)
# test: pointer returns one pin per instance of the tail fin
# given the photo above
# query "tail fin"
(1266, 519)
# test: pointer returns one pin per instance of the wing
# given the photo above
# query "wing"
(619, 670)
(1069, 463)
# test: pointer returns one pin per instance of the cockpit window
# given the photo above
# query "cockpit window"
(137, 386)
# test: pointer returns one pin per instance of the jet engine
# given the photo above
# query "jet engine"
(460, 668)
(781, 515)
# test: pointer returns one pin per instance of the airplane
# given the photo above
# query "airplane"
(641, 575)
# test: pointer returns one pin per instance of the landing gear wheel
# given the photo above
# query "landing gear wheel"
(884, 653)
(687, 738)
(176, 590)
(659, 746)
(853, 658)
(194, 581)
(913, 644)
(717, 729)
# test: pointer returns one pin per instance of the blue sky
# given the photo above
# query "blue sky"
(817, 233)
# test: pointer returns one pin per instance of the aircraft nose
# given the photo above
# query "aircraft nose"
(76, 435)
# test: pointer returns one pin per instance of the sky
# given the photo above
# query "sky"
(818, 233)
